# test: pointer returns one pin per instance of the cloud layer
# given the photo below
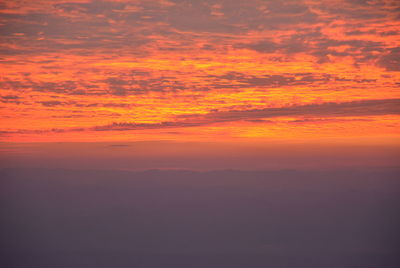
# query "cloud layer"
(168, 64)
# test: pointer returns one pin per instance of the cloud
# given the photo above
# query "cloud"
(239, 80)
(391, 60)
(217, 61)
(353, 108)
(118, 85)
(10, 99)
(52, 103)
(93, 7)
(124, 126)
(321, 46)
(324, 110)
(119, 145)
(122, 86)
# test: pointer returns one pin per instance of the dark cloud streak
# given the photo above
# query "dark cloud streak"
(354, 108)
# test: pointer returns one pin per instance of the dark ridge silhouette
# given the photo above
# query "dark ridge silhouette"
(179, 218)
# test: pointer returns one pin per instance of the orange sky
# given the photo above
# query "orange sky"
(187, 70)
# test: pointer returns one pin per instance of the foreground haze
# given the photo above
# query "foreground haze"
(278, 219)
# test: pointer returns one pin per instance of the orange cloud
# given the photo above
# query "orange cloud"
(198, 69)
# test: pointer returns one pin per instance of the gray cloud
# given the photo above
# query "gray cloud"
(10, 99)
(318, 45)
(330, 109)
(391, 60)
(119, 86)
(52, 103)
(107, 26)
(240, 80)
(93, 7)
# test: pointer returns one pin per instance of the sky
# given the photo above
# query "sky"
(199, 133)
(204, 73)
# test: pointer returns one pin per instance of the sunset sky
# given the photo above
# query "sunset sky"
(256, 72)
